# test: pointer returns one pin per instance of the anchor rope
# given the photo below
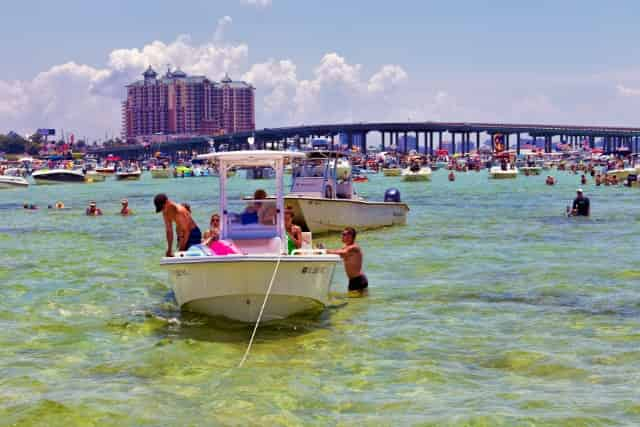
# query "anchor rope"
(264, 304)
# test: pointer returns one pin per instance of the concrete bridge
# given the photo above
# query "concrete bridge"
(461, 137)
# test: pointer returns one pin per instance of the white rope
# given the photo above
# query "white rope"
(264, 304)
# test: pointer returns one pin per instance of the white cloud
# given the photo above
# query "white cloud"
(257, 3)
(627, 91)
(87, 99)
(223, 23)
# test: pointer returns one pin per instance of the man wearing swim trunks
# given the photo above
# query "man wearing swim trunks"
(351, 255)
(187, 230)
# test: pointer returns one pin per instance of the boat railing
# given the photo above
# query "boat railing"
(309, 252)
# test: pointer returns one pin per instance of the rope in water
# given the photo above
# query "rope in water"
(264, 304)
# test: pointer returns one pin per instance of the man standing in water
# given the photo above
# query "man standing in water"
(581, 205)
(187, 230)
(351, 255)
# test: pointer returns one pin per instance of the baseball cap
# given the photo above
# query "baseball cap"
(579, 190)
(160, 200)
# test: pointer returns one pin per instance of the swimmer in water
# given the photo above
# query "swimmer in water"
(93, 210)
(125, 210)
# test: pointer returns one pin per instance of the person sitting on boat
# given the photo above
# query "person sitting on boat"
(59, 205)
(352, 257)
(583, 180)
(294, 233)
(581, 205)
(415, 167)
(452, 176)
(550, 180)
(125, 210)
(250, 213)
(214, 228)
(93, 210)
(186, 228)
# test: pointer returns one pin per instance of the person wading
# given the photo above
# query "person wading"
(352, 257)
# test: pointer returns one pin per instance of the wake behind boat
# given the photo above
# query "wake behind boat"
(235, 285)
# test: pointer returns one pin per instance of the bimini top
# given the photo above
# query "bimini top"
(252, 158)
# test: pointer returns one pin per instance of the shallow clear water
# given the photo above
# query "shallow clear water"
(489, 308)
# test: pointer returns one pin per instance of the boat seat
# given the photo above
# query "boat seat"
(259, 246)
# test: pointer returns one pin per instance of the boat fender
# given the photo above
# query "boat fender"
(392, 195)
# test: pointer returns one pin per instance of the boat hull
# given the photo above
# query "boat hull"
(160, 173)
(57, 177)
(235, 286)
(7, 182)
(320, 215)
(497, 173)
(128, 176)
(622, 174)
(421, 175)
(391, 171)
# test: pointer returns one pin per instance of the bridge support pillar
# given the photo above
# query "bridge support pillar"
(453, 143)
(478, 142)
(363, 143)
(431, 143)
(518, 143)
(439, 140)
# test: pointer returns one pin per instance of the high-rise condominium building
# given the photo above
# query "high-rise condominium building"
(178, 104)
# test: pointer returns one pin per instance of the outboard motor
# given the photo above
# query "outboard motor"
(392, 195)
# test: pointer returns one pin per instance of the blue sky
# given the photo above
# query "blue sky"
(542, 56)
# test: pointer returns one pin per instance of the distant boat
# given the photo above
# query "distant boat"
(58, 176)
(10, 181)
(497, 172)
(129, 174)
(416, 174)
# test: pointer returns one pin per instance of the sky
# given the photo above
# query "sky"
(65, 63)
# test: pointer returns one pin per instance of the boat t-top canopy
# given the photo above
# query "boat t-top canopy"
(252, 158)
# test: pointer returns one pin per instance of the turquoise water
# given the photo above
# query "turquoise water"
(489, 308)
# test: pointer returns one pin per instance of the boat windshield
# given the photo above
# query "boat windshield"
(250, 219)
(311, 168)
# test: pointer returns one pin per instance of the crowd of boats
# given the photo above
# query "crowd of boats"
(323, 198)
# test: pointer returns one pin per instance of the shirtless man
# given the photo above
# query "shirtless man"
(187, 230)
(351, 255)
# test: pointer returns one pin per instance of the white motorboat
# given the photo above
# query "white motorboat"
(58, 176)
(12, 181)
(622, 174)
(131, 174)
(323, 197)
(498, 172)
(106, 170)
(416, 174)
(235, 285)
